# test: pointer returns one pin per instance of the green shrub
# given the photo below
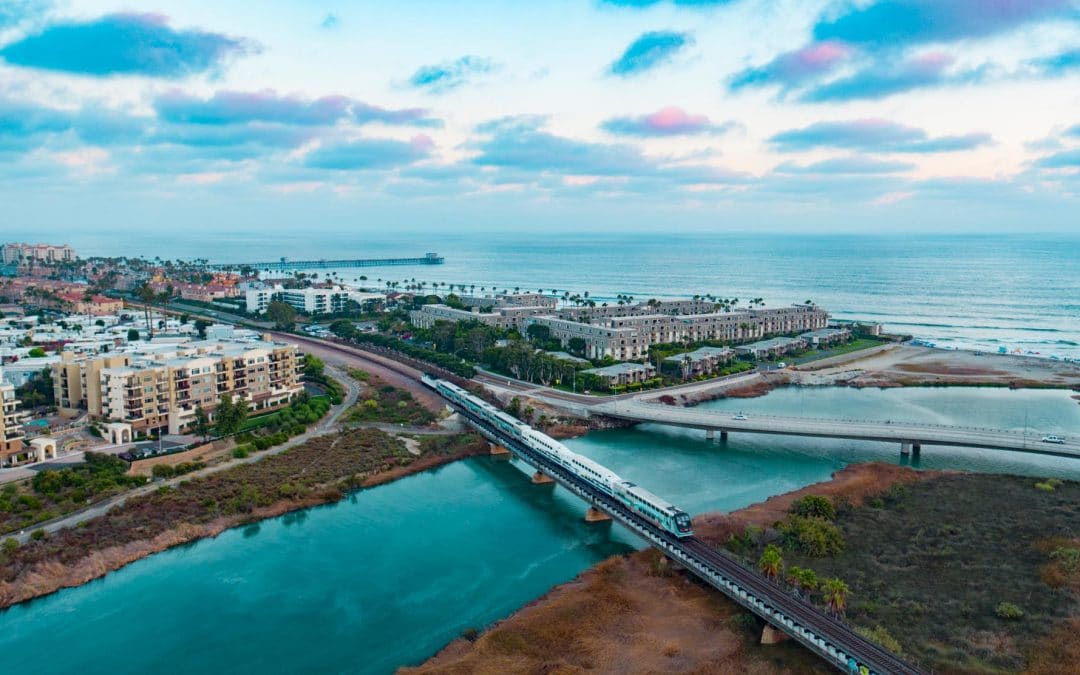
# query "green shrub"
(10, 545)
(812, 536)
(1045, 487)
(1008, 611)
(814, 506)
(881, 636)
(37, 535)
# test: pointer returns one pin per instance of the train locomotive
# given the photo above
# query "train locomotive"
(641, 501)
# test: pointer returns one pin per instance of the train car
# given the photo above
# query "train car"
(655, 509)
(638, 499)
(596, 474)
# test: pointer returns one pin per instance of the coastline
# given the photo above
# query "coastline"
(49, 576)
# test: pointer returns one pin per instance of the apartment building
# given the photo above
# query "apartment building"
(507, 318)
(19, 254)
(160, 388)
(701, 361)
(628, 337)
(309, 300)
(11, 430)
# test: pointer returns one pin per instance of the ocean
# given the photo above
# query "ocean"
(1018, 292)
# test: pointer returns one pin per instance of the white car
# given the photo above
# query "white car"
(1053, 439)
(740, 417)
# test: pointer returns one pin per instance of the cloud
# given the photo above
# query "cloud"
(873, 135)
(1066, 159)
(1058, 64)
(884, 78)
(123, 44)
(444, 77)
(524, 149)
(638, 4)
(650, 50)
(370, 153)
(669, 121)
(796, 67)
(845, 166)
(14, 12)
(236, 107)
(894, 24)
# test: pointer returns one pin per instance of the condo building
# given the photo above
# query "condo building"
(11, 429)
(160, 387)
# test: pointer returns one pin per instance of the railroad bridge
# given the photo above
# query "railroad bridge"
(826, 636)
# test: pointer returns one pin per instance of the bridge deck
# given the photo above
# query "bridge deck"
(867, 430)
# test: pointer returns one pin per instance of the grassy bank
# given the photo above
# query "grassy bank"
(962, 572)
(318, 471)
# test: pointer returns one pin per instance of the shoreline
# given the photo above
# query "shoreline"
(47, 577)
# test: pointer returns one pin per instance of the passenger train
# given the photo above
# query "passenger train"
(638, 499)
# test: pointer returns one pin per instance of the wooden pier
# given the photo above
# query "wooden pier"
(286, 264)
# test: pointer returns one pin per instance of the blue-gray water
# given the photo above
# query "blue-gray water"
(1014, 291)
(390, 575)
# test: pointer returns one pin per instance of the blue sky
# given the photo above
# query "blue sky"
(732, 115)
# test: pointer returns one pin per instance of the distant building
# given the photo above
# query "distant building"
(824, 337)
(777, 346)
(309, 300)
(11, 431)
(623, 373)
(700, 361)
(21, 254)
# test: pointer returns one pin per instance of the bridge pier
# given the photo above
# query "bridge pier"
(540, 478)
(771, 635)
(916, 448)
(595, 515)
(723, 436)
(710, 434)
(905, 449)
(496, 449)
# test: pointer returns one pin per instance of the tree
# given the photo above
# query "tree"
(313, 367)
(836, 594)
(133, 335)
(37, 353)
(229, 415)
(201, 325)
(147, 296)
(814, 506)
(771, 561)
(282, 314)
(202, 426)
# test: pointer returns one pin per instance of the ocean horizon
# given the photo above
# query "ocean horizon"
(1020, 292)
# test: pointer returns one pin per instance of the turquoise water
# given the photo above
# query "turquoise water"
(1014, 291)
(390, 575)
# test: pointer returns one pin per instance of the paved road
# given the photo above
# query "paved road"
(352, 391)
(867, 430)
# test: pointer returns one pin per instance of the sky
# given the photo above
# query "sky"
(868, 116)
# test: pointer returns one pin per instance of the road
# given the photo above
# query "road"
(867, 430)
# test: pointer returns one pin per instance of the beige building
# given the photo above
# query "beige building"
(24, 253)
(12, 444)
(162, 388)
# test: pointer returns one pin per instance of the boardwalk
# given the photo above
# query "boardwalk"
(285, 264)
(906, 434)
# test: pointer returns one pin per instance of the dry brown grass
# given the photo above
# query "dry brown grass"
(1058, 652)
(856, 482)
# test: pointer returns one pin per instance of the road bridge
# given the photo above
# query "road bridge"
(824, 635)
(909, 435)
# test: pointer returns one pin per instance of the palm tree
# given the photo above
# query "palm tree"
(147, 296)
(836, 594)
(164, 297)
(771, 562)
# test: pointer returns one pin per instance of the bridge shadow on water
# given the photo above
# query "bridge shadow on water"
(557, 510)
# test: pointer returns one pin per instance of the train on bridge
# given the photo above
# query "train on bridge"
(654, 508)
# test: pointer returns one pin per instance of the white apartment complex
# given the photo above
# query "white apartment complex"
(23, 253)
(309, 300)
